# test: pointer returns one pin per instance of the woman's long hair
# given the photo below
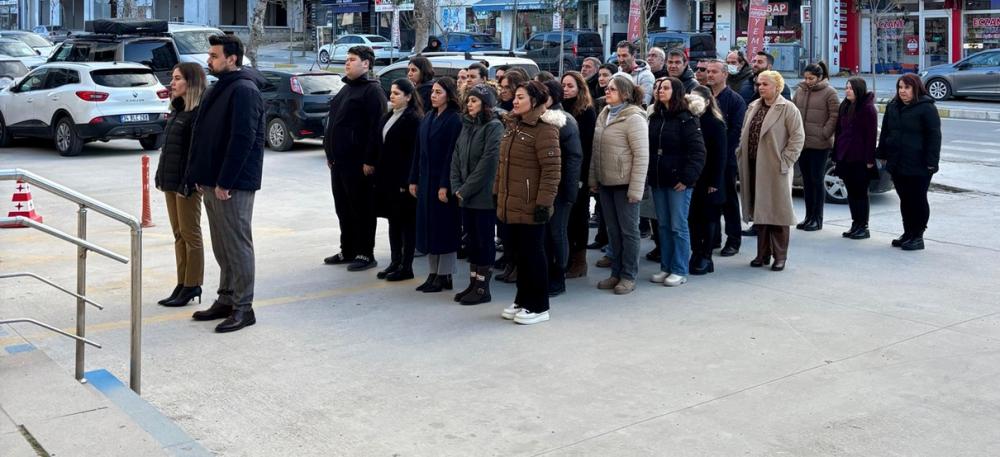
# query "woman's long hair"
(819, 69)
(194, 76)
(711, 105)
(425, 68)
(583, 99)
(677, 102)
(860, 89)
(451, 90)
(406, 87)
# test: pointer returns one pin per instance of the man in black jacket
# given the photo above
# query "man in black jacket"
(760, 63)
(589, 72)
(734, 109)
(226, 163)
(351, 134)
(677, 66)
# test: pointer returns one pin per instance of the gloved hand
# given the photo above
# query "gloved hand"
(542, 214)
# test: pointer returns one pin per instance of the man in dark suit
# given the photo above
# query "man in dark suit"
(734, 109)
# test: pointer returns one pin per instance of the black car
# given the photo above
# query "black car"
(296, 105)
(696, 46)
(145, 45)
(543, 48)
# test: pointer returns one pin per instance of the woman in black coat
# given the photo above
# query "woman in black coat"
(438, 217)
(183, 202)
(392, 177)
(909, 148)
(709, 192)
(580, 105)
(420, 72)
(854, 152)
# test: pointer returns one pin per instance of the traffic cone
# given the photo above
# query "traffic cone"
(21, 205)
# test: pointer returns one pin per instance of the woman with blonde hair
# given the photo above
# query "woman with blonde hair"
(183, 203)
(770, 143)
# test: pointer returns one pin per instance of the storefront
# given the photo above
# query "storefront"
(923, 33)
(980, 26)
(346, 16)
(532, 16)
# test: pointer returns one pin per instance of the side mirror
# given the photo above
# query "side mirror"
(964, 66)
(527, 46)
(37, 52)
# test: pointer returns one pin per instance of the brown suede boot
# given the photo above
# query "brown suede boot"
(577, 265)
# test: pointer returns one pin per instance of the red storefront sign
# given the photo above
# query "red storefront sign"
(634, 19)
(912, 45)
(777, 9)
(755, 28)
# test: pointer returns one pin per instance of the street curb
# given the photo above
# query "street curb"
(948, 113)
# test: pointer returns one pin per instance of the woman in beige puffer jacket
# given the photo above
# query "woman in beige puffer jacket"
(819, 107)
(618, 172)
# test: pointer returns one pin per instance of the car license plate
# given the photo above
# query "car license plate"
(135, 118)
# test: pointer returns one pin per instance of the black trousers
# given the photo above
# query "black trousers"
(578, 229)
(527, 244)
(857, 180)
(354, 200)
(478, 227)
(912, 191)
(403, 231)
(602, 227)
(812, 164)
(731, 209)
(703, 221)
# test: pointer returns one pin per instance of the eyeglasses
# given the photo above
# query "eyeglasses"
(610, 89)
(701, 69)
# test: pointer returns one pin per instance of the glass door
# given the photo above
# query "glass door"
(935, 39)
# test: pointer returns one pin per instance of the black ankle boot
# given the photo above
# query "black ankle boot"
(185, 296)
(218, 310)
(480, 293)
(440, 283)
(849, 232)
(913, 244)
(702, 266)
(472, 284)
(861, 233)
(430, 280)
(173, 294)
(393, 266)
(401, 274)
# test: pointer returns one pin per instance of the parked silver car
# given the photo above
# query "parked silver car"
(975, 76)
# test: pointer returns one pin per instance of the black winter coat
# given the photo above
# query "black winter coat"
(734, 109)
(716, 159)
(228, 135)
(438, 224)
(911, 138)
(676, 149)
(586, 122)
(352, 128)
(571, 154)
(688, 80)
(394, 156)
(594, 87)
(743, 77)
(425, 90)
(176, 145)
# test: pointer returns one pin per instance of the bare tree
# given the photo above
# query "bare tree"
(647, 10)
(879, 10)
(562, 7)
(257, 28)
(424, 11)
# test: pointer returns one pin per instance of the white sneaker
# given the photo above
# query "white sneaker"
(511, 311)
(674, 280)
(526, 317)
(659, 277)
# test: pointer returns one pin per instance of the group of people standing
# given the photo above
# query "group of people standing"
(455, 165)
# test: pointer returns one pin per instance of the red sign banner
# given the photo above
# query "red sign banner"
(755, 29)
(634, 19)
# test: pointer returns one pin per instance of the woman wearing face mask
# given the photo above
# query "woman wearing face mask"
(739, 71)
(854, 152)
(526, 185)
(473, 170)
(910, 148)
(770, 143)
(392, 175)
(438, 219)
(819, 105)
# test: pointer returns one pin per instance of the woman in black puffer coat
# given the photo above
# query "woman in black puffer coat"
(910, 147)
(183, 203)
(709, 193)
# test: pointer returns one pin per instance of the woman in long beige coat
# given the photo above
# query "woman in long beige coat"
(770, 143)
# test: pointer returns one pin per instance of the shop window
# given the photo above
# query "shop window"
(982, 31)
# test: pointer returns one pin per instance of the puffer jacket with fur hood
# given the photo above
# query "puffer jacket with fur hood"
(677, 149)
(621, 151)
(820, 107)
(570, 151)
(529, 168)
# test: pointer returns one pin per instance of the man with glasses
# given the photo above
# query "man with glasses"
(699, 72)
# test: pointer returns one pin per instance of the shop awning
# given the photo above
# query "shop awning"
(507, 5)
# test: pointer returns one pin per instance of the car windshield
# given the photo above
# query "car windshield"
(12, 69)
(483, 39)
(32, 40)
(17, 49)
(124, 77)
(158, 55)
(320, 84)
(193, 41)
(378, 39)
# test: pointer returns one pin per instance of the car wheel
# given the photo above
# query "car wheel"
(68, 143)
(324, 57)
(836, 190)
(152, 143)
(939, 89)
(4, 134)
(278, 137)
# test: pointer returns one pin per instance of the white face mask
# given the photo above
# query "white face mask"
(732, 69)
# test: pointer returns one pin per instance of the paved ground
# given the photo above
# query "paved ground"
(856, 349)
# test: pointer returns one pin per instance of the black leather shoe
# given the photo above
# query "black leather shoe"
(812, 226)
(654, 255)
(216, 311)
(440, 283)
(702, 266)
(757, 262)
(752, 231)
(596, 245)
(173, 295)
(362, 263)
(184, 297)
(401, 274)
(729, 251)
(913, 244)
(861, 233)
(802, 224)
(779, 265)
(338, 259)
(241, 317)
(385, 273)
(898, 242)
(430, 280)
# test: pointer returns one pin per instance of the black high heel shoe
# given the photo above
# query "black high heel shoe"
(173, 294)
(184, 297)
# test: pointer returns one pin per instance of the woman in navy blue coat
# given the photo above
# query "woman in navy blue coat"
(438, 216)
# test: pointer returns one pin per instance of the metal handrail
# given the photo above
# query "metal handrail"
(84, 204)
(79, 339)
(29, 274)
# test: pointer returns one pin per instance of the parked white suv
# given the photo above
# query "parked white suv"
(75, 103)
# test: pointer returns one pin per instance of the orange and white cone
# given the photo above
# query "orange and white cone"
(21, 205)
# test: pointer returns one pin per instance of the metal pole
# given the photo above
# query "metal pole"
(135, 356)
(81, 290)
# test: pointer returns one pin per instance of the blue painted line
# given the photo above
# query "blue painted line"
(171, 437)
(2, 331)
(19, 348)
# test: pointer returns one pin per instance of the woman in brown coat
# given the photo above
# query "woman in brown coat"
(770, 143)
(819, 106)
(526, 184)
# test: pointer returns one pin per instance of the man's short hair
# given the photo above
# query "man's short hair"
(632, 48)
(769, 57)
(477, 67)
(364, 53)
(658, 51)
(231, 46)
(677, 53)
(593, 60)
(714, 61)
